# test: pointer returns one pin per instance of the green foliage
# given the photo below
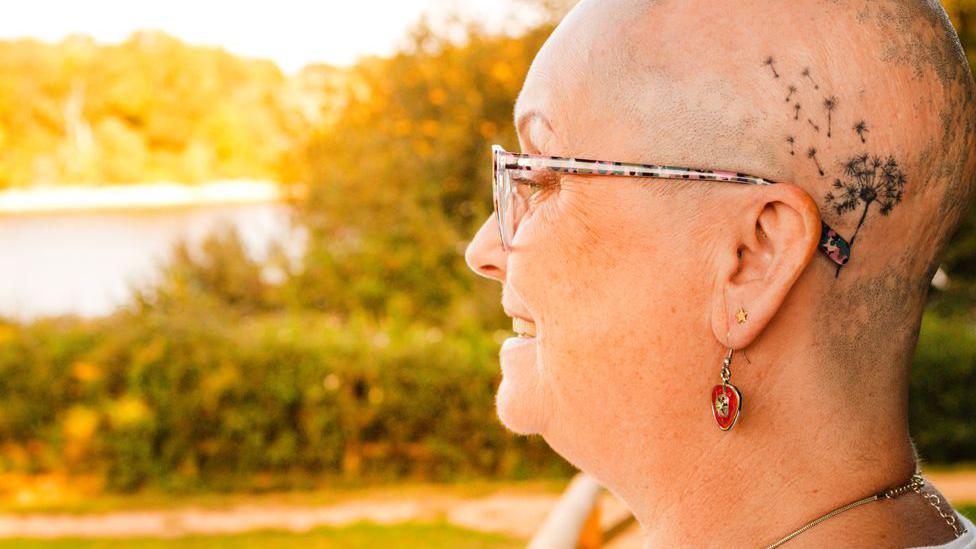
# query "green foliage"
(942, 382)
(205, 398)
(220, 273)
(399, 182)
(150, 108)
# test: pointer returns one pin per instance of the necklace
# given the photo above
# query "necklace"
(913, 485)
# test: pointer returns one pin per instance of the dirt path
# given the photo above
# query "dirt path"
(514, 514)
(957, 486)
(517, 515)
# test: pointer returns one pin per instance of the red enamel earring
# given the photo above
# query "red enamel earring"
(726, 398)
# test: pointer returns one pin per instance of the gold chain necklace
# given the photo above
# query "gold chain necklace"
(914, 485)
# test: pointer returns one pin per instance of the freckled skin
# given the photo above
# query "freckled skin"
(634, 285)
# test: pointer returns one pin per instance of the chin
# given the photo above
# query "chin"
(515, 413)
(521, 402)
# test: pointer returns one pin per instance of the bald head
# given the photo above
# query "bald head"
(867, 106)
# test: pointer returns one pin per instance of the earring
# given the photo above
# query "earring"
(726, 398)
(741, 316)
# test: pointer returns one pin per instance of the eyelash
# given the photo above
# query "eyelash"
(547, 180)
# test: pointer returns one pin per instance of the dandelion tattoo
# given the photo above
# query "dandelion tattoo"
(806, 73)
(796, 111)
(812, 154)
(816, 128)
(867, 180)
(792, 90)
(830, 104)
(860, 129)
(772, 65)
(792, 141)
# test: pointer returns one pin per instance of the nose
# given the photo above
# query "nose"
(484, 254)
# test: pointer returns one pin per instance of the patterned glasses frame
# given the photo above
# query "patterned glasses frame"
(508, 208)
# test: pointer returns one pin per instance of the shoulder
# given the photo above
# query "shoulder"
(966, 541)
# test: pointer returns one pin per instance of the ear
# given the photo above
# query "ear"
(767, 249)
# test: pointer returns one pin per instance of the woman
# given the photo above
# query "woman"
(728, 355)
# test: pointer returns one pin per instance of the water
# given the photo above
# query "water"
(86, 262)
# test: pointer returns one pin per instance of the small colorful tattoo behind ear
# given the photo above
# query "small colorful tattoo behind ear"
(832, 244)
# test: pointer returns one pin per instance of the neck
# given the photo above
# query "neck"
(797, 452)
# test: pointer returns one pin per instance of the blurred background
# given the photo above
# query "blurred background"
(233, 304)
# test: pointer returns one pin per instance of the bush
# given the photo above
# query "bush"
(207, 400)
(943, 381)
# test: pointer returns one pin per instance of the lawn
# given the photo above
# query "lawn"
(360, 535)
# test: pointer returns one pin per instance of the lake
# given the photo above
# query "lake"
(84, 258)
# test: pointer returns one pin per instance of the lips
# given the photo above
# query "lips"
(523, 327)
(524, 338)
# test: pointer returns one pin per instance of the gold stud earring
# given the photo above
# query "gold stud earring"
(741, 316)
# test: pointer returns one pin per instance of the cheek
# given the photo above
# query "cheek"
(616, 292)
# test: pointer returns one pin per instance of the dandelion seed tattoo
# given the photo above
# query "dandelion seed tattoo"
(792, 141)
(792, 90)
(772, 65)
(812, 154)
(796, 111)
(806, 73)
(867, 180)
(830, 104)
(816, 128)
(860, 129)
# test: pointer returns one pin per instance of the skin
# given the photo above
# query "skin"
(634, 285)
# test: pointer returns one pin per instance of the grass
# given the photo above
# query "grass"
(361, 535)
(967, 509)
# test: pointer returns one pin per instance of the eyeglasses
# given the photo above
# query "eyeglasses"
(513, 187)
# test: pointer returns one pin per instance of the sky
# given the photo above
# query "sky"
(293, 33)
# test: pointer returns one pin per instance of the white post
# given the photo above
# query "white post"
(561, 529)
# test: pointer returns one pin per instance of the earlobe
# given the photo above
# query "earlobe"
(769, 248)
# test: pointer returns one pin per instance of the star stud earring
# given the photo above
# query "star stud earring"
(741, 316)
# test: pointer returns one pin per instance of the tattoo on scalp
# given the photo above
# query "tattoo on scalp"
(866, 181)
(830, 103)
(863, 180)
(812, 154)
(806, 73)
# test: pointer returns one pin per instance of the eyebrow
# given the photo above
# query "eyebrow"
(523, 121)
